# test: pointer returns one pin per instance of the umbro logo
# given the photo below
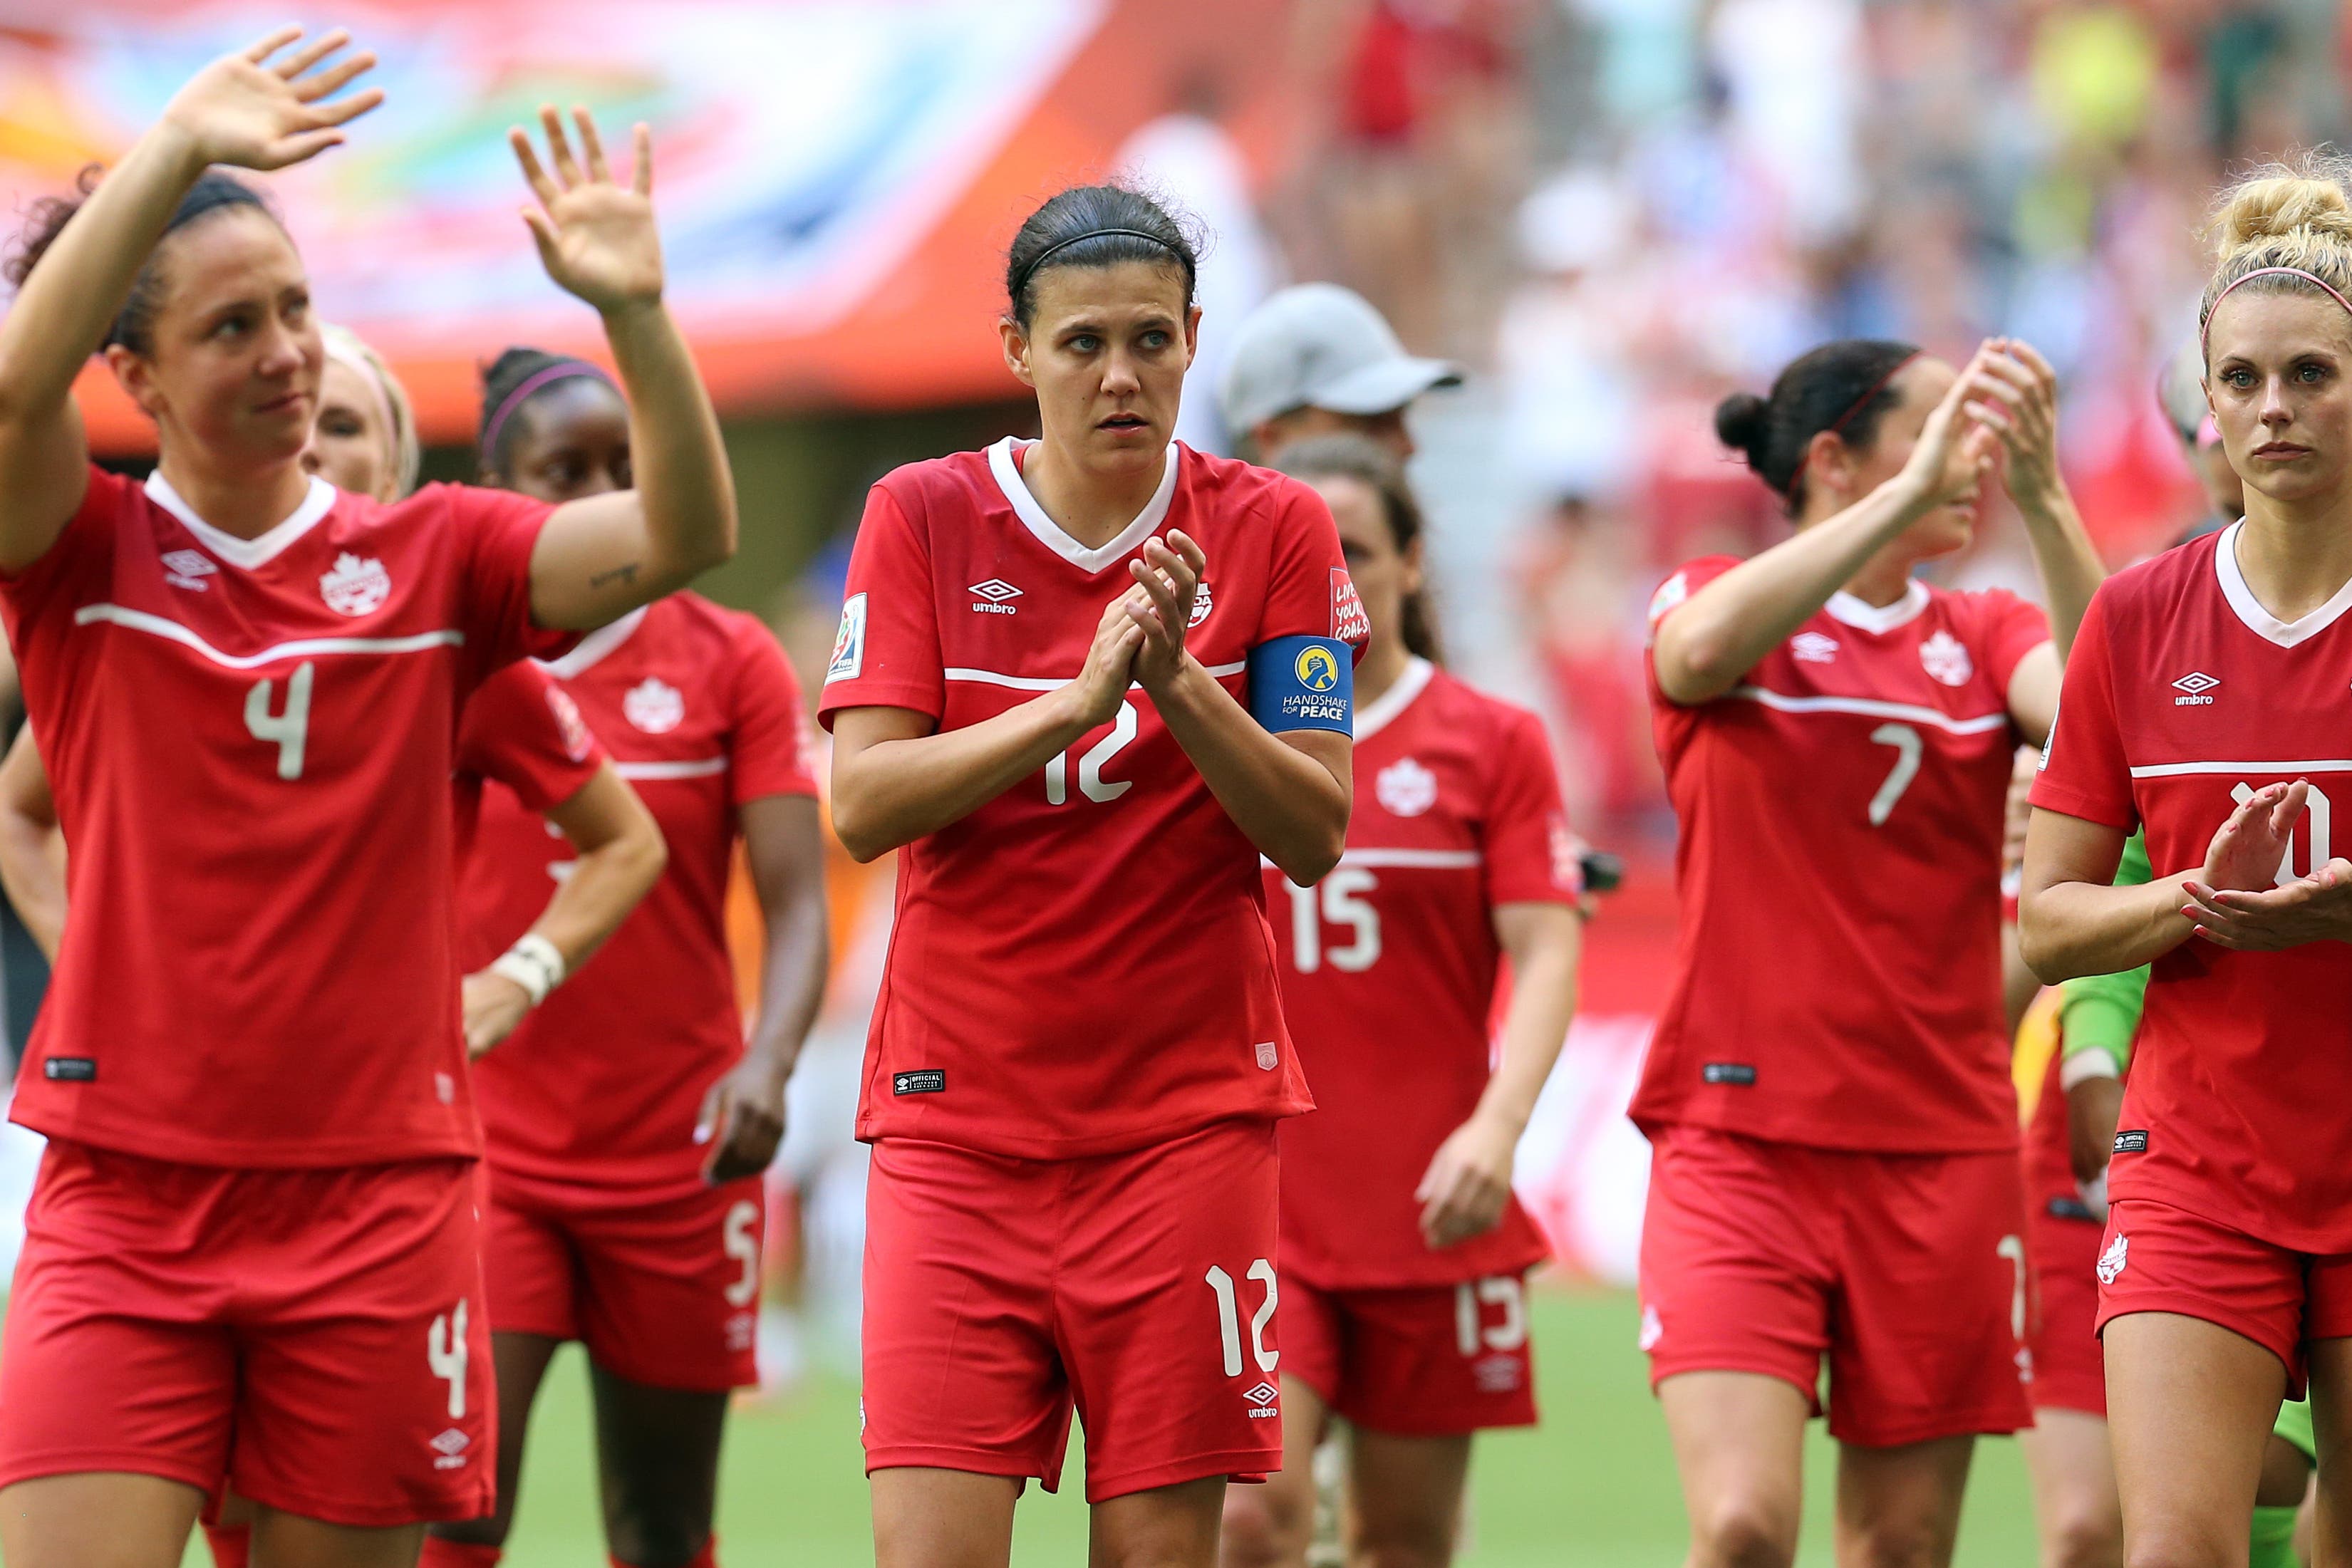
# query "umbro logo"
(1262, 1396)
(2195, 687)
(1812, 648)
(996, 591)
(450, 1446)
(188, 569)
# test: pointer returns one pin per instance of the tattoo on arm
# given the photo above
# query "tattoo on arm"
(618, 574)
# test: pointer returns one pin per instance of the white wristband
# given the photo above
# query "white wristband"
(534, 963)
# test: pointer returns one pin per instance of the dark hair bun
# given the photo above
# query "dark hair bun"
(1742, 422)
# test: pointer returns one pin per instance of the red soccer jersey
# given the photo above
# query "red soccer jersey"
(602, 1083)
(1082, 966)
(523, 730)
(251, 743)
(1388, 977)
(1838, 967)
(2183, 696)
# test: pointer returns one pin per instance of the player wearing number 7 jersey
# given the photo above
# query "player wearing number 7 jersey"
(1402, 1248)
(1038, 696)
(252, 1256)
(2208, 702)
(1834, 1170)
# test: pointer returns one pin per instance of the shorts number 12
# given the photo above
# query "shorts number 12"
(1229, 1322)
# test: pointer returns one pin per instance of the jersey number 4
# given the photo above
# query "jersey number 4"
(289, 730)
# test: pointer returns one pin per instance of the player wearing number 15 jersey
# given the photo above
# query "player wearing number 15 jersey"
(1402, 1248)
(252, 1257)
(1835, 1172)
(1078, 1053)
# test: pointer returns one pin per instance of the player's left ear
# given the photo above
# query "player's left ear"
(1414, 576)
(1191, 335)
(1016, 350)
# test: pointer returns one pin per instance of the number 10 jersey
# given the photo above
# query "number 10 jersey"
(1082, 964)
(1837, 976)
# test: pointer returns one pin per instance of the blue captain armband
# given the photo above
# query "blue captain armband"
(1303, 683)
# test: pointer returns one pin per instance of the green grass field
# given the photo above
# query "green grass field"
(1593, 1486)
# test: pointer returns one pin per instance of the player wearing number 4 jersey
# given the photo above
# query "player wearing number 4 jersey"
(1404, 1252)
(2206, 703)
(1834, 1173)
(252, 1256)
(1078, 1054)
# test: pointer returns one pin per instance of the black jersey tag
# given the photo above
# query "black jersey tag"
(1738, 1074)
(930, 1080)
(2132, 1141)
(69, 1070)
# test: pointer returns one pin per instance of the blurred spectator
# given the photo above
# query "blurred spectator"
(1316, 359)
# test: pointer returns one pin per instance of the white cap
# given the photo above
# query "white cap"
(1318, 345)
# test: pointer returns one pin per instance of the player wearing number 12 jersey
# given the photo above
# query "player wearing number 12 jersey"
(1834, 1173)
(251, 1256)
(1404, 1252)
(2207, 704)
(1078, 1053)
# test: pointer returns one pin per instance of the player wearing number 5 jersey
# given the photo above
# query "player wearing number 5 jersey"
(252, 1255)
(2207, 702)
(1834, 1134)
(1402, 1248)
(1082, 685)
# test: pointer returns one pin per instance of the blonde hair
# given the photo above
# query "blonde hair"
(2296, 217)
(392, 401)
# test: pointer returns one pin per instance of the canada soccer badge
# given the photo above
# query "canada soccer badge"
(1945, 657)
(654, 706)
(1406, 789)
(356, 586)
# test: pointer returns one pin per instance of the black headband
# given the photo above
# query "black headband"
(1038, 260)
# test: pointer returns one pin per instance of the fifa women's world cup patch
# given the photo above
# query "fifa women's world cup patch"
(1303, 683)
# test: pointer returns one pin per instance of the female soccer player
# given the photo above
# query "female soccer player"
(1083, 683)
(626, 1123)
(2205, 681)
(254, 1217)
(1404, 1252)
(1834, 1166)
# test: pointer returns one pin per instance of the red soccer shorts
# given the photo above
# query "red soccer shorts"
(1425, 1361)
(1140, 1286)
(313, 1338)
(1906, 1271)
(665, 1293)
(2070, 1371)
(2159, 1259)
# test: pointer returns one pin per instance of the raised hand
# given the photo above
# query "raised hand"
(245, 110)
(1170, 578)
(596, 238)
(1102, 685)
(2248, 850)
(1957, 449)
(2018, 401)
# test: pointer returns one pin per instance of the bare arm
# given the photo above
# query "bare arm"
(1709, 643)
(621, 856)
(32, 850)
(239, 111)
(896, 779)
(599, 559)
(2072, 918)
(1468, 1182)
(2024, 408)
(743, 1116)
(1290, 793)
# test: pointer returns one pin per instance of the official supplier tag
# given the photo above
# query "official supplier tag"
(930, 1080)
(1736, 1074)
(2132, 1141)
(69, 1070)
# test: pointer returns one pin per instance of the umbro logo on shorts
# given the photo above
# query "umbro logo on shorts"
(1262, 1396)
(930, 1080)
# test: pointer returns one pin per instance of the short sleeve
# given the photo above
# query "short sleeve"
(501, 529)
(1309, 592)
(2083, 772)
(770, 751)
(84, 544)
(1687, 580)
(2011, 629)
(522, 729)
(887, 652)
(1531, 856)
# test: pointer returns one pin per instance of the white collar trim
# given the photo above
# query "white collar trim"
(2259, 621)
(1381, 711)
(595, 645)
(253, 553)
(1864, 616)
(1049, 532)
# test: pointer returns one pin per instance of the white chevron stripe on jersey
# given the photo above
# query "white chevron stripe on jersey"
(2176, 769)
(1417, 860)
(1869, 707)
(302, 648)
(1045, 684)
(700, 768)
